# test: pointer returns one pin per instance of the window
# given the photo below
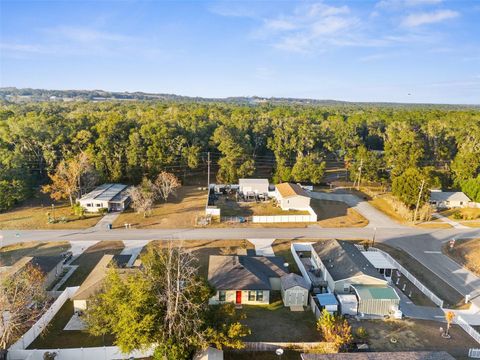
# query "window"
(251, 296)
(89, 205)
(260, 295)
(388, 272)
(222, 295)
(346, 287)
(98, 205)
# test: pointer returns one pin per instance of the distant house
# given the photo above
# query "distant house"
(113, 197)
(292, 197)
(255, 186)
(244, 279)
(448, 199)
(50, 266)
(398, 355)
(294, 290)
(346, 270)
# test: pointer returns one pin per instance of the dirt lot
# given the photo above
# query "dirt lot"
(89, 259)
(274, 322)
(179, 212)
(415, 335)
(336, 214)
(12, 253)
(466, 253)
(230, 207)
(33, 214)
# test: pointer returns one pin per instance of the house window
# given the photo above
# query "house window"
(222, 295)
(388, 272)
(99, 205)
(89, 205)
(251, 296)
(260, 295)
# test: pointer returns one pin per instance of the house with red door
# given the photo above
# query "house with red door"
(245, 279)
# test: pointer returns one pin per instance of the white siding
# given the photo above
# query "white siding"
(295, 296)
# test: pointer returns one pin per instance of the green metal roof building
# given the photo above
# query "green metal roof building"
(376, 300)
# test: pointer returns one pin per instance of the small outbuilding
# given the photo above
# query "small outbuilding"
(376, 300)
(292, 197)
(448, 199)
(348, 304)
(294, 290)
(253, 186)
(327, 301)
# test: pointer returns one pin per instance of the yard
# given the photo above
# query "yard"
(336, 214)
(33, 214)
(89, 259)
(418, 335)
(230, 207)
(180, 211)
(468, 216)
(54, 337)
(12, 253)
(276, 323)
(466, 253)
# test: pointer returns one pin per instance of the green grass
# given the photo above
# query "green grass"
(54, 337)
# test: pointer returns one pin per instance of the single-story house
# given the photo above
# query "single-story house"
(448, 199)
(50, 266)
(398, 355)
(346, 270)
(255, 186)
(94, 281)
(294, 290)
(292, 197)
(244, 279)
(113, 197)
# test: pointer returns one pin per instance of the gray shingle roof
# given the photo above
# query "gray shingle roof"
(244, 272)
(448, 196)
(403, 355)
(46, 263)
(343, 260)
(292, 280)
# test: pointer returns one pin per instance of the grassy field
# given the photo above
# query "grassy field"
(449, 295)
(89, 258)
(12, 253)
(466, 253)
(336, 214)
(230, 207)
(55, 337)
(275, 322)
(179, 212)
(418, 335)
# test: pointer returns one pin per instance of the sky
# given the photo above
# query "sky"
(425, 51)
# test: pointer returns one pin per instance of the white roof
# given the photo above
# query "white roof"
(107, 192)
(448, 196)
(253, 181)
(346, 298)
(378, 260)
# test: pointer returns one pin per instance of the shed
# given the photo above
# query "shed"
(257, 186)
(348, 304)
(376, 300)
(292, 197)
(294, 290)
(327, 301)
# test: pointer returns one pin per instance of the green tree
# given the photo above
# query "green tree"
(308, 168)
(334, 329)
(406, 186)
(471, 188)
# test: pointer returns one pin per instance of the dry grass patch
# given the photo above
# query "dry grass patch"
(12, 253)
(230, 207)
(180, 211)
(434, 225)
(336, 214)
(466, 253)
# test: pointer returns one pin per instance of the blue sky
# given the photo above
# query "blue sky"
(363, 50)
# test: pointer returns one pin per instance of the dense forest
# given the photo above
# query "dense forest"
(125, 141)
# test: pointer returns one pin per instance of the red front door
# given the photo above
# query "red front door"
(239, 297)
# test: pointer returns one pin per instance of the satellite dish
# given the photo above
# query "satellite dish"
(279, 352)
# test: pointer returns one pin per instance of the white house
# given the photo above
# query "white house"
(292, 197)
(294, 290)
(257, 186)
(113, 197)
(448, 199)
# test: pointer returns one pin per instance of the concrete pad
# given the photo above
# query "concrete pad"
(445, 219)
(297, 308)
(75, 323)
(78, 247)
(263, 247)
(133, 248)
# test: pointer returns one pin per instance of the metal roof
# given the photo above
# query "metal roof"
(107, 192)
(326, 299)
(448, 196)
(370, 292)
(253, 181)
(378, 260)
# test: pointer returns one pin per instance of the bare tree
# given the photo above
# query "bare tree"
(166, 184)
(22, 301)
(142, 196)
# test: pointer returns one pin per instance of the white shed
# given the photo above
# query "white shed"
(292, 197)
(257, 186)
(294, 290)
(348, 304)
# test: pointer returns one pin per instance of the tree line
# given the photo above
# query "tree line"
(125, 142)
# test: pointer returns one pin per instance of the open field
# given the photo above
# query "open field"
(415, 335)
(466, 253)
(336, 214)
(230, 207)
(179, 212)
(33, 214)
(55, 337)
(449, 295)
(274, 322)
(12, 253)
(89, 259)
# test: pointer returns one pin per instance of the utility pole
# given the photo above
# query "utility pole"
(208, 171)
(418, 201)
(359, 174)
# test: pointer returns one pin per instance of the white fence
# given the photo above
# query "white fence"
(428, 293)
(294, 247)
(36, 329)
(474, 353)
(212, 210)
(312, 217)
(468, 329)
(94, 353)
(272, 346)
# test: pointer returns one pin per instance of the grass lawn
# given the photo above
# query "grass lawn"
(336, 214)
(277, 323)
(261, 355)
(12, 253)
(415, 335)
(451, 298)
(230, 207)
(55, 337)
(469, 217)
(467, 253)
(90, 257)
(32, 214)
(180, 211)
(202, 249)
